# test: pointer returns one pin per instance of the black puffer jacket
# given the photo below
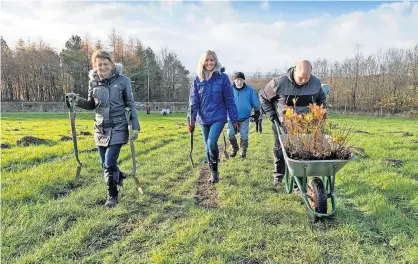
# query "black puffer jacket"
(281, 91)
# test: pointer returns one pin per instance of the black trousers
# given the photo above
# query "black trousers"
(279, 163)
(258, 126)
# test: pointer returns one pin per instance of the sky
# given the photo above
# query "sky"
(247, 36)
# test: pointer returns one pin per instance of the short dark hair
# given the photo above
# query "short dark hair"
(239, 75)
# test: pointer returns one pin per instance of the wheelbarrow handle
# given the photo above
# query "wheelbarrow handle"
(277, 125)
(279, 132)
(279, 135)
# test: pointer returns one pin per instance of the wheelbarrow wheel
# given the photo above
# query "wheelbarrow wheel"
(317, 195)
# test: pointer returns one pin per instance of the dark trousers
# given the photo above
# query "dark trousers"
(258, 126)
(108, 160)
(279, 163)
(109, 156)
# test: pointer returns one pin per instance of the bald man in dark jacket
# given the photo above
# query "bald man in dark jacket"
(297, 83)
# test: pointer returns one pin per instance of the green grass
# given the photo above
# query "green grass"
(48, 217)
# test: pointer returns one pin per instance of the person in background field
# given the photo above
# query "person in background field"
(327, 90)
(213, 101)
(299, 84)
(258, 125)
(246, 100)
(109, 93)
(148, 109)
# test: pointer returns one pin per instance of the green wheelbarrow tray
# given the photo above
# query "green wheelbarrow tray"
(312, 167)
(323, 171)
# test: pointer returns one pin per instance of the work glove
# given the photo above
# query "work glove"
(256, 115)
(190, 127)
(134, 135)
(274, 118)
(236, 127)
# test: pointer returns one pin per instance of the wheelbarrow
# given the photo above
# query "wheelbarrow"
(315, 193)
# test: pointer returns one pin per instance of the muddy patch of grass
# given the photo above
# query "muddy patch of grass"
(85, 133)
(29, 140)
(393, 163)
(206, 194)
(5, 146)
(65, 138)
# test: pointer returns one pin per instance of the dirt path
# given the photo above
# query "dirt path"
(206, 194)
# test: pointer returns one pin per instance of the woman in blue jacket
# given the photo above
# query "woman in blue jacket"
(213, 101)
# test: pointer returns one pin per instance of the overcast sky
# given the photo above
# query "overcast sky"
(247, 36)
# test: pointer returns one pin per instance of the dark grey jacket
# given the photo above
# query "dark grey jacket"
(281, 91)
(109, 97)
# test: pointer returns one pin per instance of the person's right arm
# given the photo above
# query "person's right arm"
(88, 104)
(267, 96)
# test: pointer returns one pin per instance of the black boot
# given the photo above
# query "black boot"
(277, 179)
(279, 167)
(112, 196)
(244, 146)
(122, 176)
(235, 147)
(118, 176)
(214, 172)
(112, 189)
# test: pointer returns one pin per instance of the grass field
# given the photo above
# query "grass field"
(48, 217)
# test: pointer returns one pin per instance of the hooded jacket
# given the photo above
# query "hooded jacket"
(281, 91)
(109, 97)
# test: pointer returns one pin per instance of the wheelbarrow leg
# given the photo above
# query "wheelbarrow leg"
(330, 193)
(288, 181)
(297, 184)
(329, 187)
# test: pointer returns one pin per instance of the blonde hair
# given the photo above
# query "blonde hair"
(201, 67)
(101, 54)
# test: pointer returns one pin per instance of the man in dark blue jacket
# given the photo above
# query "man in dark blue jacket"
(298, 83)
(245, 100)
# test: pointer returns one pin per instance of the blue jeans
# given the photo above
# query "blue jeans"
(108, 160)
(211, 135)
(109, 156)
(243, 129)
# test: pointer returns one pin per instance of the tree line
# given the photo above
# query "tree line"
(386, 80)
(36, 72)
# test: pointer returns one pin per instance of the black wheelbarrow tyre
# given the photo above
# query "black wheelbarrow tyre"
(317, 191)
